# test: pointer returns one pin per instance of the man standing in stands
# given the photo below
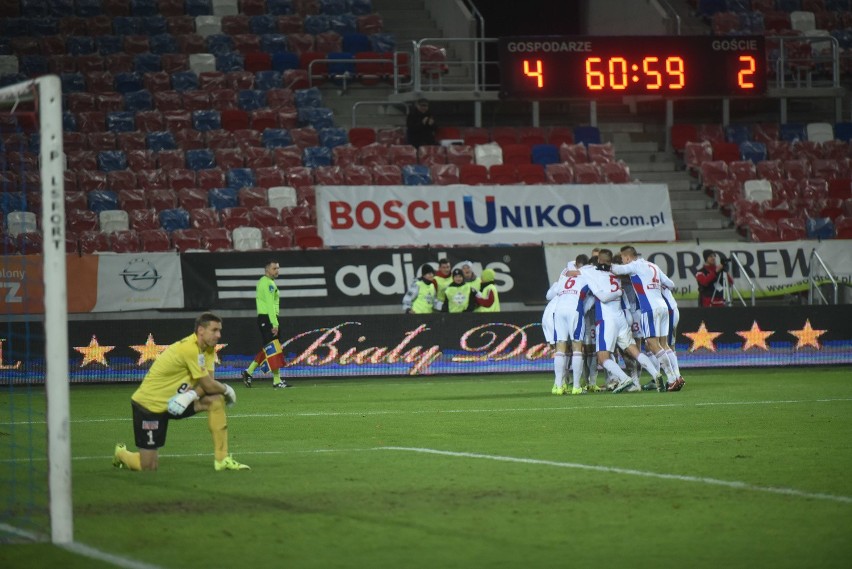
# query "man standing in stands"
(422, 294)
(420, 124)
(443, 277)
(268, 305)
(710, 277)
(487, 299)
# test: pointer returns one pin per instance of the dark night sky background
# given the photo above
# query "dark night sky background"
(531, 17)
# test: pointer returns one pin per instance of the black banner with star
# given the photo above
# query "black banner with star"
(341, 346)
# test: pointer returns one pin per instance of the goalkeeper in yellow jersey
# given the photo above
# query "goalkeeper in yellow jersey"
(270, 357)
(179, 385)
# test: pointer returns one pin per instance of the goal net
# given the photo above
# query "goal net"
(35, 468)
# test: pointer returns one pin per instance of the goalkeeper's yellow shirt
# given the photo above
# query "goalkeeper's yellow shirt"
(178, 368)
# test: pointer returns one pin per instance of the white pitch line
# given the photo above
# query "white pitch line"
(735, 484)
(451, 411)
(80, 549)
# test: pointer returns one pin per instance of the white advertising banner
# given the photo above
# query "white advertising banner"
(486, 215)
(140, 281)
(775, 268)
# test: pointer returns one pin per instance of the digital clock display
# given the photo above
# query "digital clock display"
(542, 67)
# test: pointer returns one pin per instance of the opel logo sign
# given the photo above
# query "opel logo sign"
(140, 275)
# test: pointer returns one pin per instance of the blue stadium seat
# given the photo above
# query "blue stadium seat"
(334, 136)
(163, 43)
(221, 198)
(153, 25)
(788, 5)
(108, 45)
(102, 200)
(545, 154)
(359, 7)
(200, 159)
(792, 132)
(80, 45)
(12, 201)
(139, 101)
(317, 24)
(69, 121)
(126, 26)
(73, 82)
(239, 178)
(265, 24)
(121, 121)
(308, 97)
(382, 43)
(175, 218)
(147, 63)
(819, 228)
(143, 8)
(276, 138)
(754, 151)
(343, 70)
(282, 61)
(344, 23)
(737, 133)
(111, 160)
(314, 156)
(707, 8)
(228, 62)
(88, 8)
(219, 44)
(843, 131)
(279, 7)
(416, 175)
(206, 120)
(587, 135)
(184, 81)
(333, 6)
(34, 65)
(264, 80)
(251, 99)
(317, 117)
(273, 43)
(160, 140)
(198, 7)
(127, 82)
(355, 42)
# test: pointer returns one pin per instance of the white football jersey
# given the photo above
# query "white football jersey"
(648, 281)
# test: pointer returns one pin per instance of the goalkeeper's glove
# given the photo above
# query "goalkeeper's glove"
(230, 395)
(178, 403)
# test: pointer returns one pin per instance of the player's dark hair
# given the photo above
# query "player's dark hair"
(443, 261)
(593, 260)
(269, 262)
(581, 260)
(206, 318)
(629, 250)
(604, 262)
(616, 259)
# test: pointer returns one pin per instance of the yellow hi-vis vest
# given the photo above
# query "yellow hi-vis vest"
(495, 306)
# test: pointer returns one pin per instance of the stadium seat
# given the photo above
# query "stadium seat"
(373, 154)
(290, 156)
(489, 154)
(615, 172)
(92, 242)
(587, 135)
(307, 237)
(820, 132)
(742, 170)
(154, 240)
(753, 151)
(357, 175)
(681, 134)
(125, 241)
(588, 173)
(504, 135)
(186, 239)
(473, 136)
(277, 237)
(111, 220)
(472, 174)
(416, 175)
(757, 190)
(233, 217)
(792, 132)
(573, 153)
(444, 174)
(329, 176)
(544, 154)
(516, 154)
(601, 153)
(247, 239)
(726, 151)
(344, 155)
(386, 175)
(559, 173)
(530, 173)
(299, 176)
(268, 176)
(216, 239)
(21, 222)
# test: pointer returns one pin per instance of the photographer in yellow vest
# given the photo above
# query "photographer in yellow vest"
(458, 294)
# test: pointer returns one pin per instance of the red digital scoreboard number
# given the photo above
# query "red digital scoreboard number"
(562, 66)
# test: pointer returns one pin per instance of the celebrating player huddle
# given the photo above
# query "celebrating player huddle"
(602, 307)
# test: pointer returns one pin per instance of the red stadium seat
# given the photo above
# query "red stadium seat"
(180, 178)
(681, 134)
(386, 174)
(186, 239)
(588, 173)
(80, 220)
(118, 180)
(287, 157)
(264, 216)
(615, 172)
(233, 217)
(344, 155)
(531, 135)
(203, 218)
(726, 151)
(476, 135)
(460, 154)
(559, 173)
(125, 242)
(216, 239)
(373, 154)
(560, 135)
(357, 175)
(430, 155)
(504, 135)
(277, 237)
(143, 219)
(329, 175)
(402, 154)
(128, 200)
(162, 199)
(516, 154)
(444, 174)
(192, 198)
(473, 174)
(254, 197)
(307, 237)
(93, 242)
(573, 153)
(530, 173)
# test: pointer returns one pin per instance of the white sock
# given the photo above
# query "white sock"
(577, 368)
(559, 369)
(593, 369)
(649, 366)
(673, 362)
(664, 363)
(616, 371)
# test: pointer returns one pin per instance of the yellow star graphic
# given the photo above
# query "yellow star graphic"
(754, 338)
(807, 336)
(219, 347)
(149, 350)
(94, 352)
(702, 338)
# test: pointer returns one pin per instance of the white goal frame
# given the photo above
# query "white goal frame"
(52, 166)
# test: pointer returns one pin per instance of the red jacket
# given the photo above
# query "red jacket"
(707, 278)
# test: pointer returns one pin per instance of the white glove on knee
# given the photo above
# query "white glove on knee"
(230, 395)
(178, 403)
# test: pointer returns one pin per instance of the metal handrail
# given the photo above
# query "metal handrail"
(813, 285)
(672, 14)
(479, 65)
(751, 284)
(781, 62)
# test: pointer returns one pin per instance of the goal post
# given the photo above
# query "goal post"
(46, 92)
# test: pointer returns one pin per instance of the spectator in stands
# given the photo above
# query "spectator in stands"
(421, 124)
(487, 298)
(711, 281)
(459, 294)
(179, 385)
(469, 276)
(267, 302)
(443, 277)
(422, 295)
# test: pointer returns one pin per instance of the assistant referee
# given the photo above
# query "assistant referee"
(268, 306)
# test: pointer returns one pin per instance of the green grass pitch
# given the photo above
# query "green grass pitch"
(743, 468)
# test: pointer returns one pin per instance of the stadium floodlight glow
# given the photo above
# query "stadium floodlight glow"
(46, 91)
